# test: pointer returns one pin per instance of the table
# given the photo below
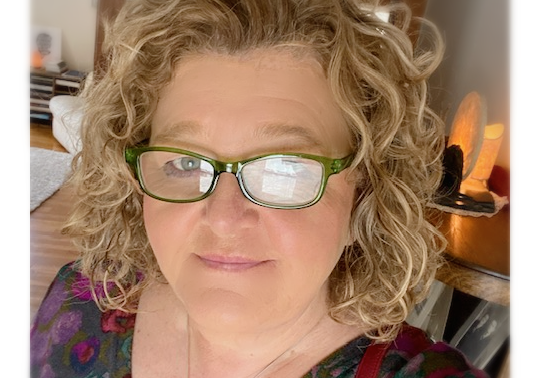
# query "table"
(477, 255)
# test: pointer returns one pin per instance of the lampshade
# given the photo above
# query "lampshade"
(36, 59)
(468, 129)
(493, 136)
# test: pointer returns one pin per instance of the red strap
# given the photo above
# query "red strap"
(371, 361)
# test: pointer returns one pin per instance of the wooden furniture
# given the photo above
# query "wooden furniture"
(478, 264)
(478, 255)
(44, 85)
(41, 92)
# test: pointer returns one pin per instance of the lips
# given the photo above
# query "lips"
(230, 263)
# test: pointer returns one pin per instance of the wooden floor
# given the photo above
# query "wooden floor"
(41, 136)
(49, 249)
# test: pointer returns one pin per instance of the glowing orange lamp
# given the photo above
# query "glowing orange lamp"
(479, 145)
(37, 59)
(493, 136)
(468, 129)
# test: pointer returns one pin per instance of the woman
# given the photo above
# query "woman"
(251, 198)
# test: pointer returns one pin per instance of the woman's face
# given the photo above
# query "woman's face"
(232, 262)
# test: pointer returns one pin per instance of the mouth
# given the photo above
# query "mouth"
(230, 263)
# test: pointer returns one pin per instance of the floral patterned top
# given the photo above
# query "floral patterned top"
(72, 338)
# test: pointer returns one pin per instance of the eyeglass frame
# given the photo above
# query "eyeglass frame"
(331, 166)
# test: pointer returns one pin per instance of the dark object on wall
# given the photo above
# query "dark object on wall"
(448, 193)
(452, 171)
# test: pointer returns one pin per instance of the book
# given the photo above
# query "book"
(57, 66)
(41, 79)
(41, 87)
(40, 116)
(67, 83)
(40, 108)
(39, 101)
(75, 74)
(34, 93)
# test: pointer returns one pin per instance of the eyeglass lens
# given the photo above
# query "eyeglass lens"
(275, 180)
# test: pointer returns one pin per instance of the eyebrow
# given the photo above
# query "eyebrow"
(278, 130)
(174, 132)
(300, 136)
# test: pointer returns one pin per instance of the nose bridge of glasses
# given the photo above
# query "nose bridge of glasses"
(232, 167)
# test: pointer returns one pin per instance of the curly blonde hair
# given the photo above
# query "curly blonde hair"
(378, 80)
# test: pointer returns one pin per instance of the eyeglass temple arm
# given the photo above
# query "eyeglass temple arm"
(338, 165)
(130, 155)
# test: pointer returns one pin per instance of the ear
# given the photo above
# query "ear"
(350, 239)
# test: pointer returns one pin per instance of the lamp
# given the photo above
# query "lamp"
(468, 128)
(465, 144)
(493, 136)
(36, 59)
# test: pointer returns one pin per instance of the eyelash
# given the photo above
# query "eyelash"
(171, 170)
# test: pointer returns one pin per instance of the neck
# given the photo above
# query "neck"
(289, 349)
(252, 353)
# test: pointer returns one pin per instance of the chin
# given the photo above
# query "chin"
(218, 308)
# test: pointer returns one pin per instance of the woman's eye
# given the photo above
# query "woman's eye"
(184, 166)
(186, 163)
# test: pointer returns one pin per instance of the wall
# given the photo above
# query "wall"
(77, 20)
(476, 59)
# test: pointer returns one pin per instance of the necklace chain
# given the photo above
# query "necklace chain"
(274, 361)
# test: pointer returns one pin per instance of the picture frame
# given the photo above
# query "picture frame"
(47, 41)
(431, 314)
(483, 333)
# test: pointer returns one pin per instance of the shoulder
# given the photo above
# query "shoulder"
(343, 362)
(67, 288)
(70, 336)
(413, 354)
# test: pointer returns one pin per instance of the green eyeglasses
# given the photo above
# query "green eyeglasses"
(279, 181)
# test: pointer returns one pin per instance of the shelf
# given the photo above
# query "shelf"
(44, 85)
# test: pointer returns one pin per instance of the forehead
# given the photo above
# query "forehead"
(264, 99)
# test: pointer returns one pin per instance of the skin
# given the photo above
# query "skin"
(252, 280)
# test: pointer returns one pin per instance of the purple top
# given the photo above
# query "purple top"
(72, 338)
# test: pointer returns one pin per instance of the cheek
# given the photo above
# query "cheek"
(155, 226)
(317, 236)
(164, 228)
(336, 207)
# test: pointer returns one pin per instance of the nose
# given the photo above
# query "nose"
(227, 210)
